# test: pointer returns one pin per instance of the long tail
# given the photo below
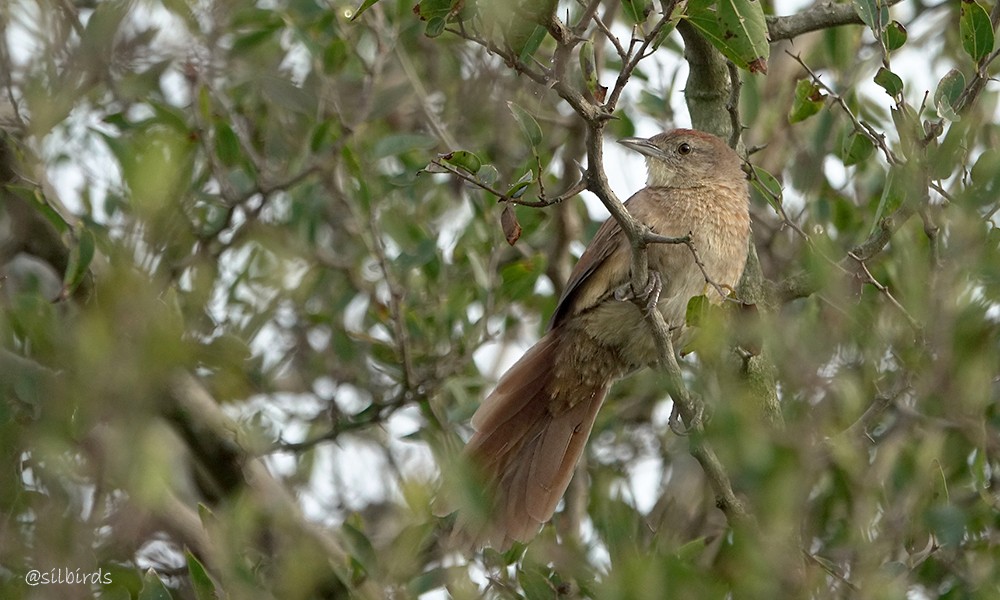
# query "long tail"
(528, 441)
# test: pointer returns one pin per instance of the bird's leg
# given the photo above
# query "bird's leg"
(649, 296)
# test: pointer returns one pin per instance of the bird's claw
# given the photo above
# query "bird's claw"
(650, 295)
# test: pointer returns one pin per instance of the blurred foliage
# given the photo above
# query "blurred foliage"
(286, 200)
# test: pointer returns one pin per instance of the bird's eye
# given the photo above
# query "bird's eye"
(684, 148)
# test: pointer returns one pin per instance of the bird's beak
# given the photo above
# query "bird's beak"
(642, 146)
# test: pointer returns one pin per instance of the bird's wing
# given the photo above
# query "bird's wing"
(604, 266)
(575, 296)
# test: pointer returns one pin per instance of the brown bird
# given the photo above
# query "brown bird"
(531, 430)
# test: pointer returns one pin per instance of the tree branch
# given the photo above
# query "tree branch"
(820, 16)
(195, 407)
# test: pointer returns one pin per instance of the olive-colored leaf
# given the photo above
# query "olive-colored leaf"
(227, 145)
(488, 175)
(80, 257)
(736, 28)
(907, 124)
(400, 143)
(153, 588)
(985, 175)
(527, 123)
(947, 94)
(893, 194)
(430, 9)
(535, 585)
(856, 148)
(696, 311)
(874, 14)
(769, 187)
(518, 188)
(464, 160)
(364, 6)
(588, 67)
(744, 27)
(976, 30)
(636, 11)
(435, 27)
(807, 102)
(531, 43)
(201, 582)
(889, 81)
(360, 546)
(518, 278)
(948, 524)
(895, 36)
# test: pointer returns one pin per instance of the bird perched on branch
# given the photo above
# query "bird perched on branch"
(531, 430)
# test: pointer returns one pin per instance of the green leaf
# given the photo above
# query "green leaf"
(531, 43)
(769, 187)
(948, 524)
(893, 194)
(947, 94)
(895, 36)
(153, 588)
(488, 175)
(535, 585)
(518, 188)
(986, 171)
(227, 145)
(697, 310)
(429, 9)
(737, 28)
(807, 102)
(464, 160)
(889, 81)
(80, 257)
(874, 14)
(908, 127)
(527, 123)
(33, 196)
(985, 178)
(435, 27)
(523, 24)
(636, 11)
(744, 27)
(246, 42)
(690, 551)
(205, 515)
(976, 30)
(361, 547)
(202, 584)
(364, 6)
(518, 278)
(856, 148)
(588, 67)
(401, 143)
(102, 28)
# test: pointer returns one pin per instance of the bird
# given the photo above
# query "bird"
(531, 430)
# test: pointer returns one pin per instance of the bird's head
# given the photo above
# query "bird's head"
(686, 158)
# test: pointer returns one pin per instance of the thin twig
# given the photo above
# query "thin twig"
(634, 58)
(870, 279)
(733, 105)
(542, 202)
(648, 237)
(833, 572)
(860, 126)
(861, 428)
(396, 294)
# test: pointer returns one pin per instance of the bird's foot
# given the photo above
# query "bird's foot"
(648, 297)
